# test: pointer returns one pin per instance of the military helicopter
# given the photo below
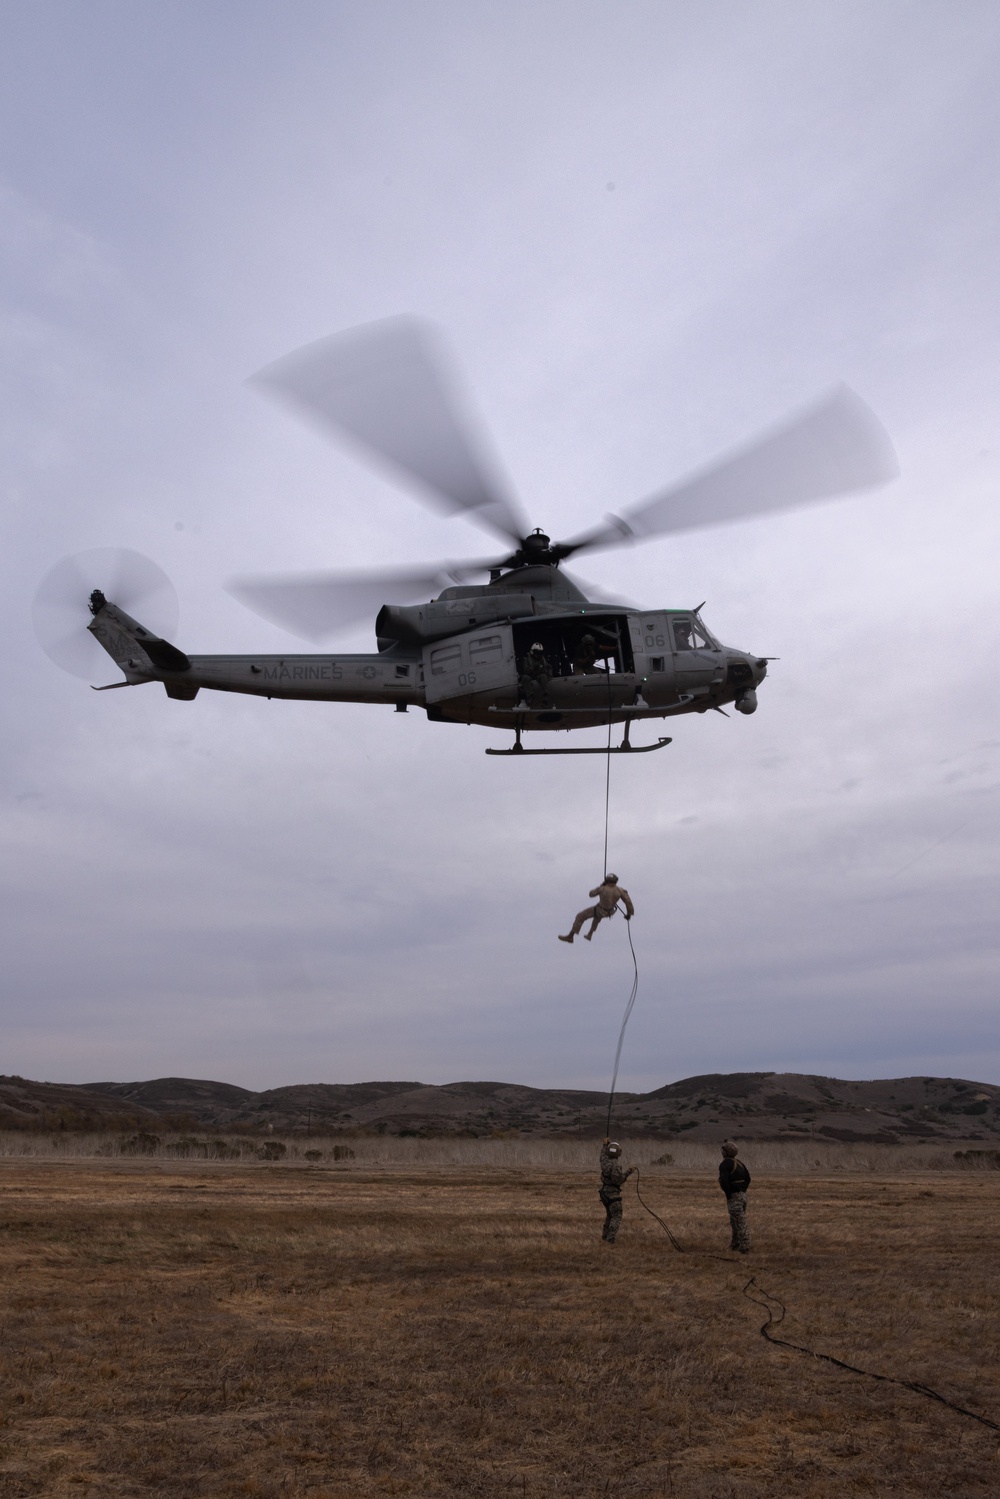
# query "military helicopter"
(526, 650)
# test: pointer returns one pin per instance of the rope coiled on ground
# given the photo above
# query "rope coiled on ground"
(916, 1387)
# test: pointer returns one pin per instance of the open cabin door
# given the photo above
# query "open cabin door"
(464, 665)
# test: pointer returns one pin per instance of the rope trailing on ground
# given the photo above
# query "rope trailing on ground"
(679, 1247)
(914, 1386)
(906, 1384)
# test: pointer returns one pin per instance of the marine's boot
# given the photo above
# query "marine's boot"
(565, 939)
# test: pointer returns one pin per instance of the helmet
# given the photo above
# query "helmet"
(614, 1148)
(730, 1149)
(611, 879)
(538, 646)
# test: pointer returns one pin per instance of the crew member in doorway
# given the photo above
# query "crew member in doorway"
(590, 649)
(734, 1178)
(535, 678)
(613, 1179)
(608, 896)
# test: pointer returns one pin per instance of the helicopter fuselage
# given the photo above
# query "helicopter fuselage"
(526, 651)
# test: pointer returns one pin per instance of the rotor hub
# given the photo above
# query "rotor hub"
(536, 550)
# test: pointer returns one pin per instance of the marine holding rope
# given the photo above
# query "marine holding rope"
(610, 1191)
(734, 1178)
(608, 896)
(536, 674)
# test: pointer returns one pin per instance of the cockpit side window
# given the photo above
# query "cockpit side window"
(689, 634)
(682, 628)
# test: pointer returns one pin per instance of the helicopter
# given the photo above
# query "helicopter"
(524, 651)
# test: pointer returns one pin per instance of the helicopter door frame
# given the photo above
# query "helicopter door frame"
(557, 633)
(652, 643)
(466, 665)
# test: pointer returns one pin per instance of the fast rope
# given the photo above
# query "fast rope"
(607, 770)
(628, 924)
(679, 1247)
(914, 1386)
(839, 1363)
(625, 1019)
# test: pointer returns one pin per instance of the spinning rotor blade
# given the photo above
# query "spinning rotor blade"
(60, 611)
(388, 386)
(832, 448)
(593, 593)
(317, 605)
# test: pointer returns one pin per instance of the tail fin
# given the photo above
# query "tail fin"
(142, 656)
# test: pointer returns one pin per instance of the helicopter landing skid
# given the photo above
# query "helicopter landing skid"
(625, 748)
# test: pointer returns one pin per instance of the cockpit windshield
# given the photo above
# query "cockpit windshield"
(690, 634)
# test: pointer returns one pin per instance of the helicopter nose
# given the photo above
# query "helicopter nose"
(747, 700)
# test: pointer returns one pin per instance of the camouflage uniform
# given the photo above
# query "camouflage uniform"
(610, 1193)
(736, 1202)
(734, 1178)
(534, 680)
(609, 894)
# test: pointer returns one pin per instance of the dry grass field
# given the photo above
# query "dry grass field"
(203, 1328)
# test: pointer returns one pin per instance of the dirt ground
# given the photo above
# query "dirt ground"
(212, 1330)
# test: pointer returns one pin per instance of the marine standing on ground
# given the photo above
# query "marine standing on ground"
(610, 1193)
(734, 1178)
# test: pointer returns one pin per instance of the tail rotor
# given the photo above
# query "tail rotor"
(61, 608)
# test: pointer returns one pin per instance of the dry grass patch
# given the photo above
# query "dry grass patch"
(222, 1330)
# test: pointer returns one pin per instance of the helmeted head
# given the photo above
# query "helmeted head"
(614, 1148)
(611, 879)
(538, 648)
(730, 1149)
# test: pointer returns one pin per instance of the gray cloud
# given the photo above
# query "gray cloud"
(273, 892)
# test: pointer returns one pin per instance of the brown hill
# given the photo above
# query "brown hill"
(749, 1105)
(29, 1105)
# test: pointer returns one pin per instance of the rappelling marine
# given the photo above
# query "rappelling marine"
(609, 895)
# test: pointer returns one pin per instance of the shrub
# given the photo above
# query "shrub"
(222, 1150)
(140, 1144)
(186, 1146)
(271, 1150)
(343, 1153)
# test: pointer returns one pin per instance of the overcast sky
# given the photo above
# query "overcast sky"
(650, 230)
